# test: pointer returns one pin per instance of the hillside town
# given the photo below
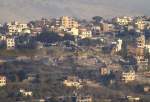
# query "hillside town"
(67, 59)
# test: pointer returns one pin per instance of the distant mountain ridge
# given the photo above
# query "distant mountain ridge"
(25, 10)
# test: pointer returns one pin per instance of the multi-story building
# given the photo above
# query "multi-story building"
(2, 80)
(104, 71)
(96, 30)
(73, 82)
(67, 22)
(2, 37)
(139, 24)
(147, 46)
(73, 31)
(122, 20)
(128, 76)
(119, 45)
(140, 49)
(85, 33)
(15, 28)
(105, 27)
(140, 41)
(10, 43)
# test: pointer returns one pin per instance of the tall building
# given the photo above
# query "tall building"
(10, 43)
(73, 31)
(140, 48)
(2, 81)
(140, 41)
(139, 24)
(105, 27)
(128, 76)
(85, 33)
(119, 45)
(68, 22)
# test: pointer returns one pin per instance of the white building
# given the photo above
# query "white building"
(119, 45)
(73, 82)
(84, 99)
(2, 37)
(10, 43)
(84, 33)
(25, 93)
(2, 81)
(139, 24)
(67, 22)
(140, 41)
(73, 31)
(148, 48)
(123, 20)
(128, 76)
(15, 28)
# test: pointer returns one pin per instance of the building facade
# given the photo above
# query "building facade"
(10, 43)
(128, 76)
(16, 27)
(122, 20)
(68, 22)
(2, 81)
(85, 33)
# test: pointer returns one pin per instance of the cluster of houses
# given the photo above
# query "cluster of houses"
(10, 32)
(70, 25)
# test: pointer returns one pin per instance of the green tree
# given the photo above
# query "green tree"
(49, 37)
(97, 19)
(124, 51)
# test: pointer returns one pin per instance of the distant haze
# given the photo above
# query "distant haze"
(25, 10)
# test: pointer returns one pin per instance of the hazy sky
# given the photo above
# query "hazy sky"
(33, 9)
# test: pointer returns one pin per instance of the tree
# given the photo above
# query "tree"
(69, 37)
(124, 50)
(49, 37)
(97, 19)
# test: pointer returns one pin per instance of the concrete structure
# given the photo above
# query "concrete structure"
(128, 76)
(2, 80)
(104, 71)
(25, 93)
(96, 30)
(146, 89)
(85, 33)
(122, 20)
(140, 41)
(2, 37)
(15, 28)
(133, 99)
(73, 82)
(147, 46)
(105, 27)
(139, 24)
(10, 43)
(140, 48)
(82, 99)
(68, 22)
(119, 45)
(73, 31)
